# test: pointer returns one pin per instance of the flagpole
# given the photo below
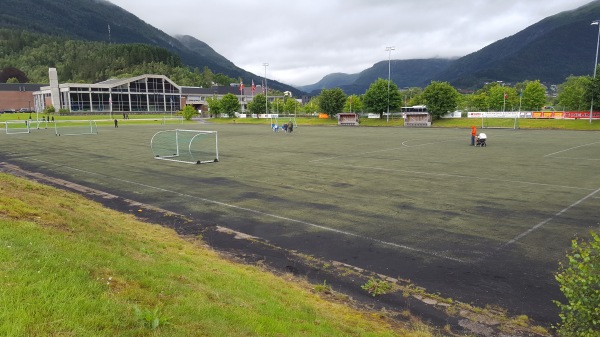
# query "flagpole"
(241, 89)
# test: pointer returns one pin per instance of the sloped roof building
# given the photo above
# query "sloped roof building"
(144, 93)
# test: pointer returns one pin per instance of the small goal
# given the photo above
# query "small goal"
(17, 127)
(75, 128)
(500, 120)
(186, 146)
(38, 124)
(172, 120)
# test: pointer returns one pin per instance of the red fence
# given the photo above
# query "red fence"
(581, 114)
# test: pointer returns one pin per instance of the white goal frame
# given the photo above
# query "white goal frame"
(180, 150)
(172, 120)
(21, 130)
(86, 127)
(500, 120)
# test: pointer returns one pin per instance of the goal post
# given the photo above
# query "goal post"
(75, 128)
(500, 120)
(17, 127)
(39, 124)
(186, 146)
(172, 120)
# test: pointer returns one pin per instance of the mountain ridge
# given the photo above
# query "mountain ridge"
(549, 50)
(101, 20)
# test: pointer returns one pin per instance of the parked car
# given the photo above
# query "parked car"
(25, 110)
(8, 111)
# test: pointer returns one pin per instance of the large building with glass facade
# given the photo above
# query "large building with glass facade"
(140, 94)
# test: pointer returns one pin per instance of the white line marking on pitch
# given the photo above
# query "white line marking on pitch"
(575, 147)
(530, 230)
(576, 158)
(353, 155)
(377, 151)
(404, 143)
(396, 245)
(466, 177)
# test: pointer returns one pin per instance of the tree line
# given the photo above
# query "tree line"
(383, 96)
(575, 94)
(28, 55)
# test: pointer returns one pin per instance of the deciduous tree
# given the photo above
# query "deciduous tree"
(214, 106)
(257, 105)
(292, 106)
(353, 104)
(230, 104)
(502, 98)
(440, 98)
(533, 97)
(312, 106)
(331, 101)
(377, 100)
(571, 94)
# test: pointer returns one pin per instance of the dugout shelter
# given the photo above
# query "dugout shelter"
(417, 119)
(350, 119)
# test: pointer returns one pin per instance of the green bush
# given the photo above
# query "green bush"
(579, 281)
(49, 109)
(188, 112)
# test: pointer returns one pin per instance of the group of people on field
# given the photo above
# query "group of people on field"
(287, 127)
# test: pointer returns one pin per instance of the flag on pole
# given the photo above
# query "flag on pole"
(505, 95)
(253, 87)
(241, 87)
(262, 86)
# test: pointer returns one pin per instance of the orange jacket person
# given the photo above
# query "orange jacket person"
(473, 135)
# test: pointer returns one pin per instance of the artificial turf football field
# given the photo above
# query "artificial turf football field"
(481, 225)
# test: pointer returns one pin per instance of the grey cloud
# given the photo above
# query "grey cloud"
(305, 40)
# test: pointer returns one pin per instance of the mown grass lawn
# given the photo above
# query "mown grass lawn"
(73, 268)
(523, 123)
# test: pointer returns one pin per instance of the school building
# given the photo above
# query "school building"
(139, 94)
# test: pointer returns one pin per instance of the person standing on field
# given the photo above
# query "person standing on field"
(473, 135)
(116, 123)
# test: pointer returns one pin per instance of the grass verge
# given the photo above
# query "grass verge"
(73, 268)
(524, 123)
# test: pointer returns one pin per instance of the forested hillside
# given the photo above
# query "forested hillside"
(104, 22)
(90, 62)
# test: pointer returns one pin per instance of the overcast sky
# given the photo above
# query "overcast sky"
(302, 41)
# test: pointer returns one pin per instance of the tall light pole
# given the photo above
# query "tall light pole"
(266, 100)
(389, 50)
(597, 23)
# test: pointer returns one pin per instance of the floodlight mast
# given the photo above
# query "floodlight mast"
(596, 23)
(266, 100)
(389, 50)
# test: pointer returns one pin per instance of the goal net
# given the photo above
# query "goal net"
(172, 120)
(39, 124)
(500, 120)
(16, 127)
(75, 128)
(186, 146)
